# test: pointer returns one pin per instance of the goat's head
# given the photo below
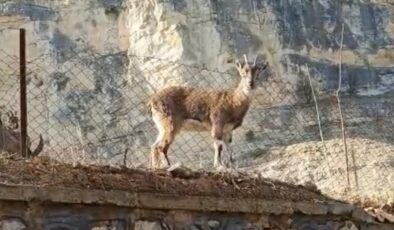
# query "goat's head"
(249, 72)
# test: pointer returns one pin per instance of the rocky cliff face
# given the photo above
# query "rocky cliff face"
(101, 59)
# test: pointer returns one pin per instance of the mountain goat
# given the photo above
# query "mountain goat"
(178, 108)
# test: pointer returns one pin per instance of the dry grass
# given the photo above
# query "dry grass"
(41, 171)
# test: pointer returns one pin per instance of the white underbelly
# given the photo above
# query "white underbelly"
(228, 128)
(195, 125)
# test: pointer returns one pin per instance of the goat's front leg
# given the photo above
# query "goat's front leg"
(219, 144)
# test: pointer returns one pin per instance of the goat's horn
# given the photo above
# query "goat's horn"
(255, 59)
(246, 59)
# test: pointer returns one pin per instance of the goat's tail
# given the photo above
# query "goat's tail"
(39, 148)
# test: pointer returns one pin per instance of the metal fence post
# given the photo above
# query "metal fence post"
(22, 80)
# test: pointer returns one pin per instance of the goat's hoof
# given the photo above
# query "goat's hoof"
(173, 167)
(220, 168)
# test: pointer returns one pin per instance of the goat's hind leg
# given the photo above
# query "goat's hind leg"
(167, 136)
(167, 141)
(155, 152)
(218, 147)
(155, 148)
(227, 148)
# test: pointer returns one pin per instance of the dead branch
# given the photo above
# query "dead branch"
(125, 157)
(256, 14)
(318, 117)
(317, 109)
(340, 108)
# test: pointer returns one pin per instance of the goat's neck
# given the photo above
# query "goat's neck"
(243, 91)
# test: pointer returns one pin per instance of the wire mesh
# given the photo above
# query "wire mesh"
(9, 104)
(93, 110)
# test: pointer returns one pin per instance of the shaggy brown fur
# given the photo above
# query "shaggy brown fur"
(179, 108)
(182, 103)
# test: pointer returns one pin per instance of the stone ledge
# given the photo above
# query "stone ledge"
(172, 202)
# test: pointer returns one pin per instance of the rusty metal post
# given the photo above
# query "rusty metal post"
(22, 81)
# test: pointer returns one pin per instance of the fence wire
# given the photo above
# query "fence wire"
(9, 103)
(93, 109)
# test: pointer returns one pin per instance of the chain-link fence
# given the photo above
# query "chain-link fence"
(9, 104)
(10, 83)
(92, 108)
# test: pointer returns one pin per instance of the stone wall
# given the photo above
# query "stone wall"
(25, 207)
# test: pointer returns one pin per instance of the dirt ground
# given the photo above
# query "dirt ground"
(41, 171)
